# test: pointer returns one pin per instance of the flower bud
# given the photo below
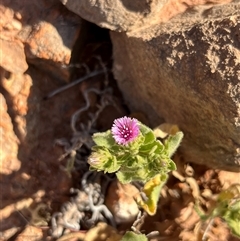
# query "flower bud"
(102, 160)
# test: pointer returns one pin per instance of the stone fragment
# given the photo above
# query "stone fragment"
(120, 201)
(9, 46)
(10, 24)
(18, 87)
(8, 142)
(48, 32)
(8, 52)
(228, 178)
(189, 75)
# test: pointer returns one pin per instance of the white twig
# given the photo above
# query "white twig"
(205, 234)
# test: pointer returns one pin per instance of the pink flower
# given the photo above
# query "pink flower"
(125, 130)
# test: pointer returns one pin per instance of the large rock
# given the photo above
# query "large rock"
(117, 15)
(127, 15)
(179, 61)
(189, 74)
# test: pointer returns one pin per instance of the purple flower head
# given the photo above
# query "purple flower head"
(125, 130)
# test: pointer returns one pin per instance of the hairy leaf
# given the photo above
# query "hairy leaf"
(131, 236)
(144, 129)
(232, 218)
(124, 177)
(173, 142)
(149, 137)
(104, 139)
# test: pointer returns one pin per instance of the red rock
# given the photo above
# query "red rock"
(8, 52)
(10, 46)
(8, 142)
(9, 23)
(18, 87)
(47, 30)
(50, 37)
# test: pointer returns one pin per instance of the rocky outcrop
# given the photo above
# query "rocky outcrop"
(189, 75)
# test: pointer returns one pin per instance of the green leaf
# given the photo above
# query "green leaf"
(172, 165)
(111, 166)
(104, 139)
(131, 163)
(144, 129)
(127, 175)
(123, 158)
(131, 236)
(141, 162)
(173, 142)
(234, 226)
(149, 137)
(124, 177)
(160, 146)
(155, 147)
(232, 218)
(145, 149)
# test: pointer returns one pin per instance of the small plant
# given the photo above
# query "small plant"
(132, 151)
(227, 206)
